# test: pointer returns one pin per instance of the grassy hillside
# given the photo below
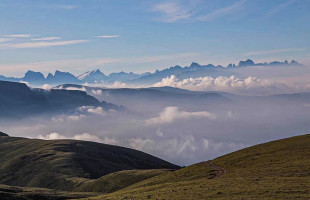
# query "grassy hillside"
(23, 193)
(118, 180)
(65, 164)
(274, 170)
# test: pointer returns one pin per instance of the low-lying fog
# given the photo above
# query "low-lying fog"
(184, 127)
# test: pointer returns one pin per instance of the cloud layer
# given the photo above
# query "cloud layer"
(58, 136)
(108, 36)
(171, 11)
(171, 114)
(221, 83)
(24, 45)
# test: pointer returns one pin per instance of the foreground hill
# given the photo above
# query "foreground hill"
(274, 170)
(27, 193)
(65, 164)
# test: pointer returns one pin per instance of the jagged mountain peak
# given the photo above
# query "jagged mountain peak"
(193, 64)
(246, 63)
(32, 76)
(92, 76)
(58, 72)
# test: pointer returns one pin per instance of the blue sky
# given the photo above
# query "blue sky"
(139, 36)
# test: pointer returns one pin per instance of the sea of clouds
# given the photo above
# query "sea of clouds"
(186, 132)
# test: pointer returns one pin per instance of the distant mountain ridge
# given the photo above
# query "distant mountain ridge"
(18, 100)
(96, 76)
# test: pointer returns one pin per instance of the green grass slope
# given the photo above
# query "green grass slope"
(274, 170)
(64, 164)
(118, 180)
(23, 193)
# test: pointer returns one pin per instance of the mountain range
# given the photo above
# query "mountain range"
(96, 76)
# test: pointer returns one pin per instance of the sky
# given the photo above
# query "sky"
(140, 36)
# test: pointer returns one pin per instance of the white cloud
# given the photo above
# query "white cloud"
(108, 36)
(205, 144)
(58, 136)
(71, 88)
(280, 7)
(222, 11)
(188, 143)
(159, 132)
(57, 119)
(86, 137)
(171, 114)
(46, 38)
(97, 92)
(5, 39)
(220, 83)
(171, 11)
(180, 146)
(117, 84)
(112, 141)
(274, 51)
(231, 114)
(210, 145)
(52, 136)
(98, 110)
(40, 44)
(174, 11)
(139, 143)
(46, 87)
(19, 35)
(92, 109)
(76, 117)
(25, 82)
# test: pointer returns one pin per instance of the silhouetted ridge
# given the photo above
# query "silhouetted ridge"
(17, 100)
(246, 63)
(3, 134)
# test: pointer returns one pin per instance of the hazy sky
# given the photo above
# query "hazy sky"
(137, 35)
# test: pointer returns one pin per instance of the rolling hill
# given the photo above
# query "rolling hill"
(65, 164)
(274, 170)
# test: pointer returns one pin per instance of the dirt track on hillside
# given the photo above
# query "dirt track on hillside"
(219, 171)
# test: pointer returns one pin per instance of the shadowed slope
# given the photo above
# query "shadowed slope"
(18, 100)
(24, 193)
(3, 134)
(56, 164)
